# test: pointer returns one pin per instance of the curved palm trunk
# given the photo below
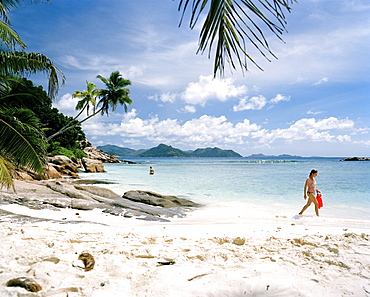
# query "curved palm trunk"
(71, 126)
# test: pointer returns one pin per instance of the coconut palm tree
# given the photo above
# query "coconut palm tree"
(109, 98)
(115, 92)
(88, 98)
(233, 24)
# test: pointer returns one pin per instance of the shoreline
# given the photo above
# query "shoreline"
(276, 257)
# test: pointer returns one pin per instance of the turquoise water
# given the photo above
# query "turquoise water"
(250, 189)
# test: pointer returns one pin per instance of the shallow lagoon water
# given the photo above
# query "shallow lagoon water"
(244, 189)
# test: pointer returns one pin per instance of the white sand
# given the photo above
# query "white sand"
(278, 258)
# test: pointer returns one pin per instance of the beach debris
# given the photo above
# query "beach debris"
(24, 282)
(197, 276)
(161, 263)
(52, 259)
(62, 290)
(239, 241)
(88, 260)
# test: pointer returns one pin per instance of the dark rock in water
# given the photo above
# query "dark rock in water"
(129, 162)
(356, 159)
(91, 182)
(156, 199)
(24, 282)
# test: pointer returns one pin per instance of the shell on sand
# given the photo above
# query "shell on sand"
(24, 282)
(88, 260)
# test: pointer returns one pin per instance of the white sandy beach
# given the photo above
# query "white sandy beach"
(275, 260)
(270, 258)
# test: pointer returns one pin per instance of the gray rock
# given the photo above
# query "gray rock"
(92, 165)
(156, 199)
(62, 194)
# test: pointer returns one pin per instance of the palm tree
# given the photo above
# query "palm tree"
(115, 92)
(230, 24)
(88, 98)
(109, 98)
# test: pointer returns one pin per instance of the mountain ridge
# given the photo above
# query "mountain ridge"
(163, 150)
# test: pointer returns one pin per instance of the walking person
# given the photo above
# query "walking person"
(151, 170)
(311, 191)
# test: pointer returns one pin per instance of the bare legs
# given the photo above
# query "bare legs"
(311, 199)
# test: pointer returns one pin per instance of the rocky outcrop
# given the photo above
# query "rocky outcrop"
(356, 159)
(91, 165)
(63, 165)
(156, 199)
(62, 194)
(94, 153)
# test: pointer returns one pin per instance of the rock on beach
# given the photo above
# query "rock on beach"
(60, 193)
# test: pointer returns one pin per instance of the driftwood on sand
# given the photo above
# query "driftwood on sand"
(63, 194)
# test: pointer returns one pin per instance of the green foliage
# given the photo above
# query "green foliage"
(22, 142)
(24, 94)
(101, 100)
(54, 149)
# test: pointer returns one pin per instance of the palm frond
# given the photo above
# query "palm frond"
(10, 37)
(22, 140)
(233, 24)
(5, 175)
(17, 62)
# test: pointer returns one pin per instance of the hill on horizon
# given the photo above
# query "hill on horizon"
(163, 150)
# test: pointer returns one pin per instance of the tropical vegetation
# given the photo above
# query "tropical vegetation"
(100, 100)
(22, 142)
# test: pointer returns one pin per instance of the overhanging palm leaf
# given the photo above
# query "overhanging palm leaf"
(13, 63)
(5, 175)
(9, 36)
(21, 140)
(232, 24)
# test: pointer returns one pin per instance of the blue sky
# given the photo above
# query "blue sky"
(312, 101)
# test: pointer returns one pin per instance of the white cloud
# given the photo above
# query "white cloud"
(254, 103)
(208, 88)
(308, 129)
(66, 104)
(278, 98)
(217, 131)
(314, 112)
(165, 97)
(188, 109)
(321, 81)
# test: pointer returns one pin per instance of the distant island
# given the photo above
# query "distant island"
(163, 150)
(168, 151)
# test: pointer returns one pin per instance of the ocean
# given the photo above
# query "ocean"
(250, 191)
